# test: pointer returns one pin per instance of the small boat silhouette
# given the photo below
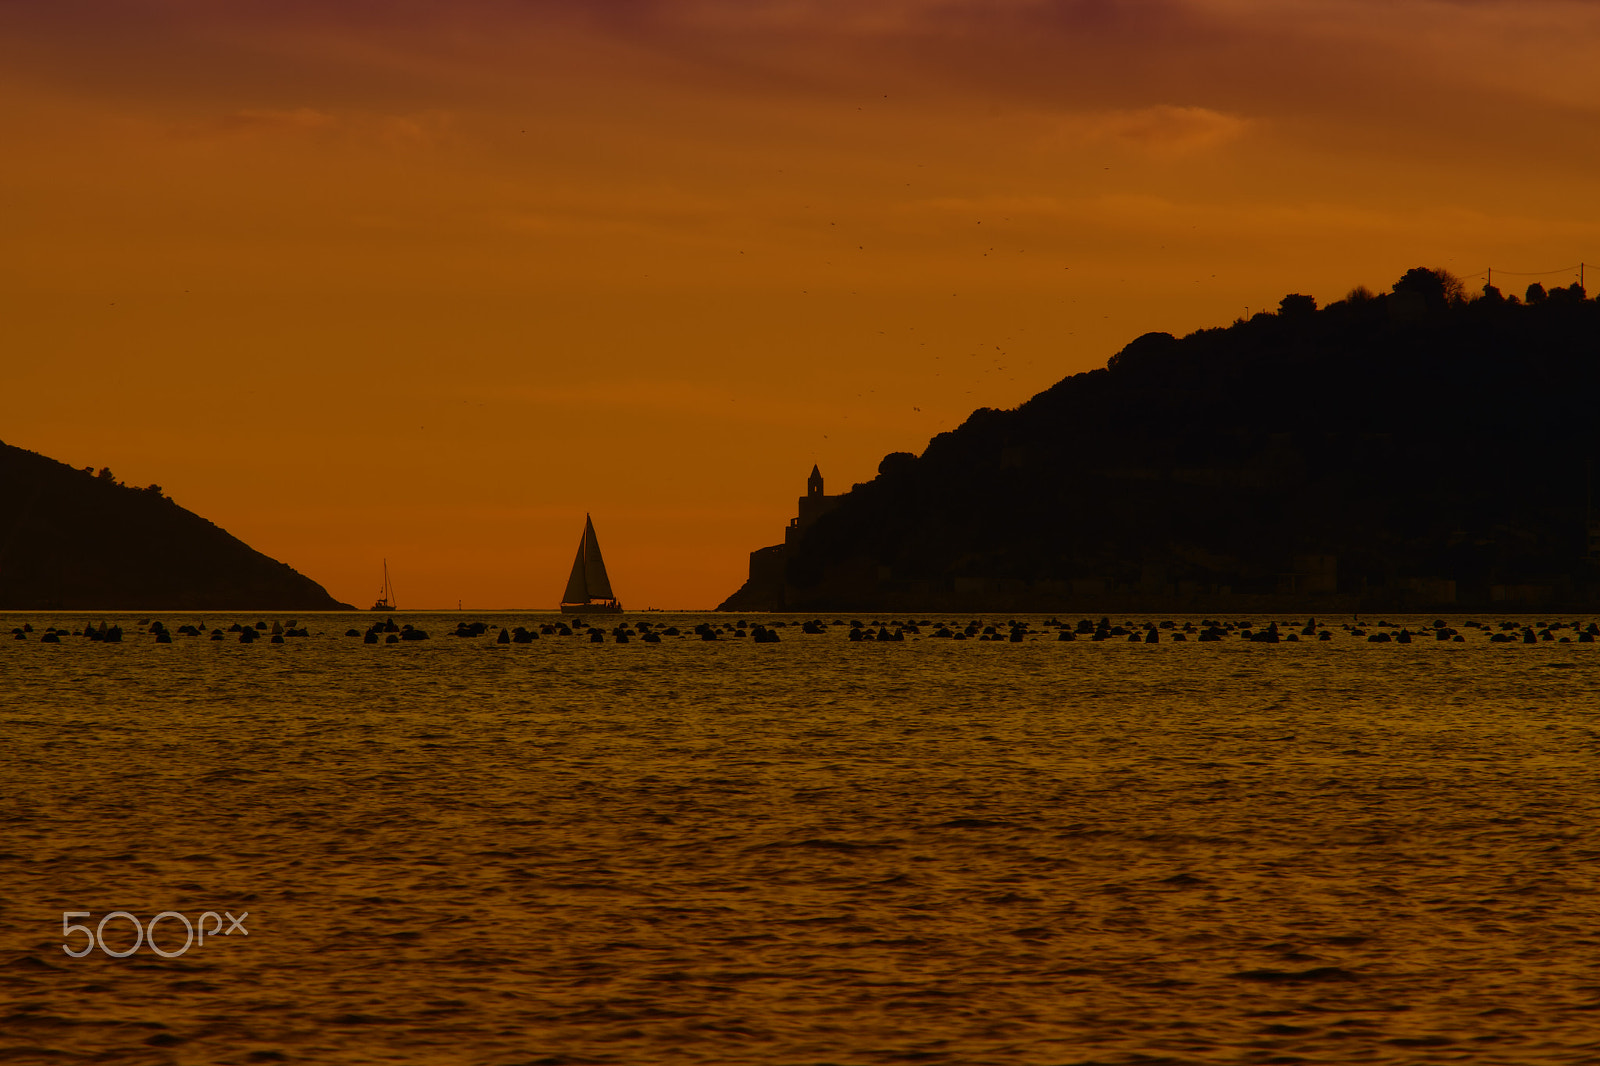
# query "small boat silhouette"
(386, 594)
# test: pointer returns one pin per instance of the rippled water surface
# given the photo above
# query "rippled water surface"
(814, 851)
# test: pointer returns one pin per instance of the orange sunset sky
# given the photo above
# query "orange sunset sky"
(430, 280)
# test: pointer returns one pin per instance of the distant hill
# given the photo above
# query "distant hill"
(1412, 449)
(73, 539)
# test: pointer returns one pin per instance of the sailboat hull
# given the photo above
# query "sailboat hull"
(592, 608)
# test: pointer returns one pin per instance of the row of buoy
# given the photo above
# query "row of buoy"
(623, 633)
(113, 634)
(1012, 631)
(387, 632)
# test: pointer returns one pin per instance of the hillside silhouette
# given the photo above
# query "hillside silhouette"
(1415, 449)
(79, 539)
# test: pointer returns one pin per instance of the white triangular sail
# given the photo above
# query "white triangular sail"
(588, 580)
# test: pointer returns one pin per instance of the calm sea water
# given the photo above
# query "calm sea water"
(808, 852)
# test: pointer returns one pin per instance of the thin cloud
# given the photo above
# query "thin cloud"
(1261, 56)
(672, 399)
(1162, 131)
(257, 121)
(1133, 213)
(418, 129)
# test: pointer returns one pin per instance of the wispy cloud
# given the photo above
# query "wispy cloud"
(404, 131)
(258, 121)
(666, 397)
(1162, 131)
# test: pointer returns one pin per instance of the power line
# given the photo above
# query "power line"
(1540, 273)
(1488, 274)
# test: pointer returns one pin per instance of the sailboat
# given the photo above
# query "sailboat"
(386, 594)
(588, 589)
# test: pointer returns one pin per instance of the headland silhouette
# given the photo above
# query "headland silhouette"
(1410, 450)
(80, 539)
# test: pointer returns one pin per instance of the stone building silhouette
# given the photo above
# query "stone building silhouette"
(812, 506)
(764, 590)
